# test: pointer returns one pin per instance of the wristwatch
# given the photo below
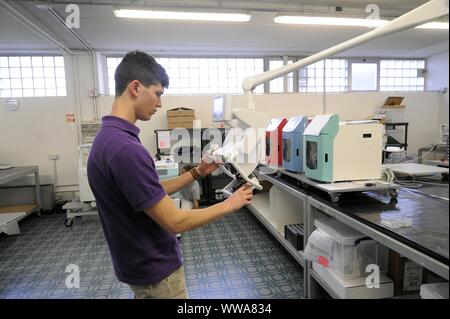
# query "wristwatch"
(195, 173)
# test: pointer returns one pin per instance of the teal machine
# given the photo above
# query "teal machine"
(343, 151)
(293, 143)
(318, 145)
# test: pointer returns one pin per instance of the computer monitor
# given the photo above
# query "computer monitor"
(222, 108)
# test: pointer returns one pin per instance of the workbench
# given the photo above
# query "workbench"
(11, 215)
(426, 242)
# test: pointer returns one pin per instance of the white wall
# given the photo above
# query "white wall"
(437, 79)
(422, 111)
(39, 127)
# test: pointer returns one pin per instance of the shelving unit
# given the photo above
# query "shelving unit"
(311, 206)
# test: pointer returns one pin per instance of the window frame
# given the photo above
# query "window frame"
(33, 78)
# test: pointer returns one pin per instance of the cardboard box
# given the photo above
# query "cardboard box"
(180, 111)
(407, 275)
(393, 102)
(180, 119)
(180, 125)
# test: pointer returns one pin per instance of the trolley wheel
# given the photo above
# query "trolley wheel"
(68, 222)
(334, 197)
(393, 193)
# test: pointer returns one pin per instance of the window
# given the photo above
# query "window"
(364, 76)
(32, 76)
(330, 75)
(201, 75)
(402, 75)
(277, 85)
(111, 65)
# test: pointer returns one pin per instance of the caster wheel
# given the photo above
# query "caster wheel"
(68, 222)
(335, 198)
(393, 193)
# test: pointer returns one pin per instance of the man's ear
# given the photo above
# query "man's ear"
(133, 88)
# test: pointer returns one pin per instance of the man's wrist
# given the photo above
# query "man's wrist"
(195, 173)
(199, 171)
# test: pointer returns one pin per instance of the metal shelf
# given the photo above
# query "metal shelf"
(257, 209)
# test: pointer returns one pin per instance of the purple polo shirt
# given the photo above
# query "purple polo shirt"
(123, 179)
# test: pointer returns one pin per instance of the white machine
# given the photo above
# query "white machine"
(346, 151)
(247, 122)
(86, 205)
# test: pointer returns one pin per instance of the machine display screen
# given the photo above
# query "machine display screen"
(267, 145)
(287, 144)
(311, 154)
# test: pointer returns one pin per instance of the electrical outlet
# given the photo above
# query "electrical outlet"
(53, 156)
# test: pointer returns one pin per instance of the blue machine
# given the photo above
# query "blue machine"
(293, 143)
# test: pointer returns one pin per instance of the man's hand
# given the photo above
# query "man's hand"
(207, 165)
(240, 198)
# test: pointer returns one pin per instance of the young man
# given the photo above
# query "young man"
(139, 219)
(190, 194)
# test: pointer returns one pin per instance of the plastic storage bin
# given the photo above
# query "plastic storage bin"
(437, 290)
(352, 251)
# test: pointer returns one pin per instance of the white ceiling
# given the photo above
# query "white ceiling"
(104, 32)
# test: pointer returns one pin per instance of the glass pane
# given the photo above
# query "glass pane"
(36, 61)
(50, 83)
(61, 92)
(14, 62)
(4, 73)
(59, 72)
(15, 72)
(16, 83)
(17, 93)
(39, 83)
(27, 73)
(48, 61)
(27, 83)
(364, 76)
(39, 92)
(4, 61)
(5, 93)
(59, 61)
(50, 92)
(61, 83)
(38, 72)
(28, 92)
(25, 61)
(5, 84)
(49, 72)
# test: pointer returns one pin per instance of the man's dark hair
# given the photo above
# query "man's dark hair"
(138, 65)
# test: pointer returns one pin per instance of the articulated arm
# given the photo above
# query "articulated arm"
(238, 146)
(427, 12)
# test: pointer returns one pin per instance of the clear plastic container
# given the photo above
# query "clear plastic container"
(437, 290)
(352, 250)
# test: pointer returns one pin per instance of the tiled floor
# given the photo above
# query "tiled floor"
(234, 257)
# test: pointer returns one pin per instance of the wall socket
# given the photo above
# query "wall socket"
(53, 156)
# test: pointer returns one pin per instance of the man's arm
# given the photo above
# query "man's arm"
(206, 167)
(175, 220)
(173, 185)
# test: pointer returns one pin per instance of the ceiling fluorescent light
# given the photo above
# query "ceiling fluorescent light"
(434, 25)
(177, 15)
(329, 21)
(354, 22)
